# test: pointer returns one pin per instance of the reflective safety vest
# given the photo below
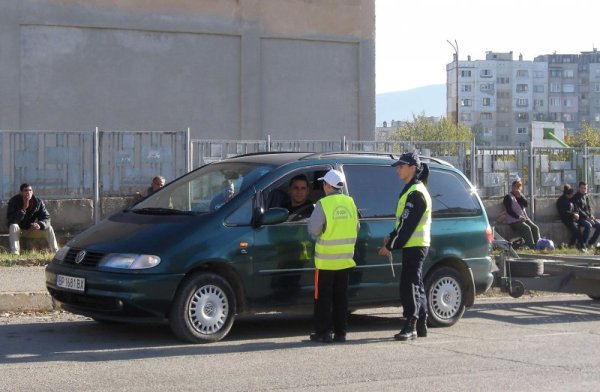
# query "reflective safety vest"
(334, 249)
(422, 234)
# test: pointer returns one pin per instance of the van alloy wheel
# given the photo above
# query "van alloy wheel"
(203, 309)
(445, 290)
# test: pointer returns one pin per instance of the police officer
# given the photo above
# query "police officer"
(334, 222)
(412, 235)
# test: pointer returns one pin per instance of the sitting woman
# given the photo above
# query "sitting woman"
(569, 216)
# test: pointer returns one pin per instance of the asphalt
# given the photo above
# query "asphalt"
(23, 289)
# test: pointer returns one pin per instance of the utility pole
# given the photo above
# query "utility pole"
(455, 47)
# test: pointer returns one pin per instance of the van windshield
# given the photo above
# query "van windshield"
(204, 190)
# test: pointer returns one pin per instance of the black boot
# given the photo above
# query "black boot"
(409, 331)
(422, 327)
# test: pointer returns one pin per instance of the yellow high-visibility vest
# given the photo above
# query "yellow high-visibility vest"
(334, 249)
(422, 234)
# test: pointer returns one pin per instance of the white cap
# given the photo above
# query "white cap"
(335, 178)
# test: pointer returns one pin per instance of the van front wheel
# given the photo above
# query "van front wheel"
(445, 289)
(203, 310)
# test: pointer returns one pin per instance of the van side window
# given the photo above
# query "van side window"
(375, 189)
(297, 191)
(451, 196)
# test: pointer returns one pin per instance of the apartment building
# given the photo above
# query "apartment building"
(498, 97)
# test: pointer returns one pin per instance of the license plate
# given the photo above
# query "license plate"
(70, 283)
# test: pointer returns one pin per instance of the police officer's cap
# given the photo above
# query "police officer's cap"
(408, 158)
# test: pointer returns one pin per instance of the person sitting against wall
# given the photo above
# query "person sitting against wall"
(157, 183)
(570, 217)
(27, 216)
(516, 215)
(587, 220)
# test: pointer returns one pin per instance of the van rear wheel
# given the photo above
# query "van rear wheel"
(203, 309)
(446, 292)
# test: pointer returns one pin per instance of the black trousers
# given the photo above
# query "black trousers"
(331, 301)
(412, 290)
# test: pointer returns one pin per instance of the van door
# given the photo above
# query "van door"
(375, 190)
(283, 254)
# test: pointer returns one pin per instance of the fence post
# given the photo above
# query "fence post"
(96, 175)
(190, 151)
(531, 180)
(344, 145)
(585, 164)
(473, 165)
(268, 143)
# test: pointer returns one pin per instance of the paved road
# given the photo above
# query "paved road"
(544, 343)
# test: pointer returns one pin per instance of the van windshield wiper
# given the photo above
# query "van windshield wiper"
(161, 211)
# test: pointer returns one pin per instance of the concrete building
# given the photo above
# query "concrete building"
(574, 88)
(497, 97)
(227, 69)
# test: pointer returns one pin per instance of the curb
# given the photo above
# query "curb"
(23, 302)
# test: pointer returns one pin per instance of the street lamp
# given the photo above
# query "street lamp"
(455, 47)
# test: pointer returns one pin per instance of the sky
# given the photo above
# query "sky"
(411, 48)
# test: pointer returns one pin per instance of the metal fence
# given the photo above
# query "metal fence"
(101, 163)
(89, 164)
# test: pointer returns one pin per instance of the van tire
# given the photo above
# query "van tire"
(203, 310)
(446, 292)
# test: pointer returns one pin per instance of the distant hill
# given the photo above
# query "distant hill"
(401, 105)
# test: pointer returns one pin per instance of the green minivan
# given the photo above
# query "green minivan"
(217, 242)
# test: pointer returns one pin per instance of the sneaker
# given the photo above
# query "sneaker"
(339, 338)
(321, 337)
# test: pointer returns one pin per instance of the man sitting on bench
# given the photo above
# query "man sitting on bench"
(27, 216)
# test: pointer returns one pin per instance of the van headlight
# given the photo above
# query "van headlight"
(129, 261)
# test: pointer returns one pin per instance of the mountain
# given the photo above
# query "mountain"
(400, 105)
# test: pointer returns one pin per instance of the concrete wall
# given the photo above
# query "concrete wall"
(228, 69)
(72, 216)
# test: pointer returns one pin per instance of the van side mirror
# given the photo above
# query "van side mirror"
(273, 216)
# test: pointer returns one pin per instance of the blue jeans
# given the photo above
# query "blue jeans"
(587, 227)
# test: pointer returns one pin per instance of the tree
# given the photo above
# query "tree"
(588, 135)
(422, 128)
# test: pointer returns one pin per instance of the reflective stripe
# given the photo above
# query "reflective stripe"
(342, 241)
(334, 256)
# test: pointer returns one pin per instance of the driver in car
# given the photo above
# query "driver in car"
(299, 206)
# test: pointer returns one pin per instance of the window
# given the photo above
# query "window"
(538, 74)
(538, 103)
(486, 116)
(487, 131)
(362, 180)
(486, 101)
(568, 88)
(597, 87)
(503, 94)
(555, 73)
(466, 102)
(522, 131)
(450, 195)
(486, 87)
(465, 88)
(465, 117)
(522, 116)
(485, 73)
(568, 103)
(538, 88)
(465, 73)
(554, 102)
(567, 117)
(522, 102)
(555, 87)
(503, 80)
(568, 73)
(522, 88)
(522, 73)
